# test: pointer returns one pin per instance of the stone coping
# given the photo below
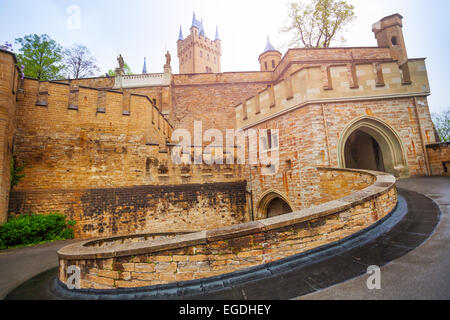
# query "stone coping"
(85, 249)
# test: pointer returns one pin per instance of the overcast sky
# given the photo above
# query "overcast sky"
(147, 28)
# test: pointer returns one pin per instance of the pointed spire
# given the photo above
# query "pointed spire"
(144, 70)
(217, 34)
(199, 25)
(202, 29)
(193, 19)
(180, 36)
(269, 46)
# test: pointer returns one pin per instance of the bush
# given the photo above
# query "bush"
(35, 228)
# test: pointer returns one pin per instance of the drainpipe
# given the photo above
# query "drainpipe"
(251, 183)
(251, 192)
(424, 149)
(326, 134)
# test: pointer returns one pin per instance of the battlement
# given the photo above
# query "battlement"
(298, 57)
(331, 82)
(206, 43)
(63, 100)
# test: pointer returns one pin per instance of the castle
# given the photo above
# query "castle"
(99, 149)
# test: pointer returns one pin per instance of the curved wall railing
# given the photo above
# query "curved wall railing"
(141, 262)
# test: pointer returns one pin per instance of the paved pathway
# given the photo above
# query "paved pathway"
(19, 265)
(421, 274)
(424, 273)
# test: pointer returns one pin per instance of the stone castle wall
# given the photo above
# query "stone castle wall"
(210, 98)
(102, 212)
(102, 158)
(439, 157)
(103, 139)
(9, 83)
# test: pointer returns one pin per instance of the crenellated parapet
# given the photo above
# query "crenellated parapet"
(65, 100)
(332, 82)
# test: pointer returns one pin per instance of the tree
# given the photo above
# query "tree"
(126, 69)
(79, 62)
(317, 24)
(41, 56)
(442, 124)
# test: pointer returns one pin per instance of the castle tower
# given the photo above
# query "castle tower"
(270, 58)
(388, 32)
(197, 53)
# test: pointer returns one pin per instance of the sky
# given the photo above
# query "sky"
(148, 28)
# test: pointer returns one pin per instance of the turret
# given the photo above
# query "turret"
(388, 32)
(270, 58)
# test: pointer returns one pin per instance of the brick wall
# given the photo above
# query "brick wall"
(439, 158)
(211, 98)
(141, 209)
(335, 184)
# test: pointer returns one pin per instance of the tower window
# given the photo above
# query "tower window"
(273, 63)
(265, 64)
(394, 41)
(201, 53)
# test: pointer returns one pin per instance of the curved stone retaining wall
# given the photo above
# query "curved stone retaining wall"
(108, 264)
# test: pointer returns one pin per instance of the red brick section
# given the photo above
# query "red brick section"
(141, 262)
(439, 158)
(9, 80)
(211, 98)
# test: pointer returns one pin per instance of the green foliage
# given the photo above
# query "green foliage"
(16, 173)
(35, 228)
(126, 69)
(41, 56)
(317, 24)
(442, 124)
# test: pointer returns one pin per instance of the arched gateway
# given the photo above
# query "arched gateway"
(368, 143)
(273, 204)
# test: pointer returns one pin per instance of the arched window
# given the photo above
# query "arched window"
(201, 53)
(273, 64)
(265, 64)
(394, 41)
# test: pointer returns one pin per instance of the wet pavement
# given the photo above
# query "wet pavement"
(407, 228)
(19, 265)
(422, 274)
